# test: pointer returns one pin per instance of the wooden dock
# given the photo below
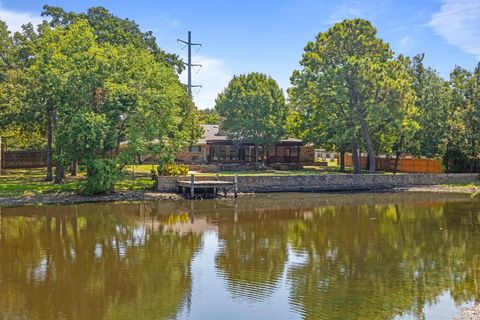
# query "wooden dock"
(200, 189)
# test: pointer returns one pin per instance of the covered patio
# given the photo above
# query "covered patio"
(227, 151)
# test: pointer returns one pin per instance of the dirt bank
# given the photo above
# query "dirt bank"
(72, 198)
(470, 314)
(442, 189)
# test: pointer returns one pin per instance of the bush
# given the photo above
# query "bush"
(455, 161)
(102, 174)
(173, 169)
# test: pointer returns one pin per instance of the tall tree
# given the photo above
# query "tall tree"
(38, 49)
(254, 110)
(103, 94)
(359, 75)
(433, 105)
(19, 128)
(463, 136)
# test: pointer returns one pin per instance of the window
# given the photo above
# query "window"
(221, 151)
(233, 153)
(194, 149)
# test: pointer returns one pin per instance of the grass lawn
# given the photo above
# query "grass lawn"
(470, 185)
(25, 182)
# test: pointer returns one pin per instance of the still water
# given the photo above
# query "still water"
(279, 256)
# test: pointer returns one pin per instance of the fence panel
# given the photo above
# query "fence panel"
(24, 159)
(405, 165)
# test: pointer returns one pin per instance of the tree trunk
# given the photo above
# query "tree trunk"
(256, 156)
(397, 158)
(368, 141)
(355, 159)
(49, 147)
(342, 159)
(73, 168)
(59, 172)
(397, 155)
(354, 142)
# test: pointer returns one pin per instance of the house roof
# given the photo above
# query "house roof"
(210, 132)
(290, 142)
(211, 135)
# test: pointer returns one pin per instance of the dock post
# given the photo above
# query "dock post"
(235, 186)
(192, 186)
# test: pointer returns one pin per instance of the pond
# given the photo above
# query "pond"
(272, 256)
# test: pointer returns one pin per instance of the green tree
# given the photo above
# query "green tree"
(254, 110)
(463, 136)
(209, 116)
(350, 86)
(19, 128)
(67, 70)
(115, 31)
(433, 105)
(103, 94)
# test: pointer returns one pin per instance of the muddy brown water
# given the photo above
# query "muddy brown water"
(278, 256)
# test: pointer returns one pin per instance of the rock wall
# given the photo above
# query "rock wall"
(327, 182)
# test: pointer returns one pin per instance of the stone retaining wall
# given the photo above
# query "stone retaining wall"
(327, 182)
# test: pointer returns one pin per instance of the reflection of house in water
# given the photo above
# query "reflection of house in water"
(168, 217)
(198, 225)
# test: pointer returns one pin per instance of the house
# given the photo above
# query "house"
(215, 147)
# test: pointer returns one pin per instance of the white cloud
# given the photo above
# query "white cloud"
(213, 77)
(345, 11)
(458, 21)
(15, 19)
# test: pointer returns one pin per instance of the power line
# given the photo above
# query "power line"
(189, 64)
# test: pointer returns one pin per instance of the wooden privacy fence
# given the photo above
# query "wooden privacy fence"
(24, 159)
(405, 165)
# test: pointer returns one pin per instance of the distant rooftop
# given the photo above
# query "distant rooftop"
(210, 131)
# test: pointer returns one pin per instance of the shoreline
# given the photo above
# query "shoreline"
(472, 313)
(68, 198)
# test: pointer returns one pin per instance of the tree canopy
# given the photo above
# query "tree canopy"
(99, 89)
(253, 109)
(351, 90)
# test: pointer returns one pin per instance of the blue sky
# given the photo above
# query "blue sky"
(269, 36)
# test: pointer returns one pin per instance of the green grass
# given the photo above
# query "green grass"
(31, 181)
(462, 185)
(27, 182)
(140, 168)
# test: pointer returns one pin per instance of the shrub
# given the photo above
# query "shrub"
(102, 174)
(173, 169)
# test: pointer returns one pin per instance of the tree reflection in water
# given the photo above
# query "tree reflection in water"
(364, 256)
(92, 262)
(253, 253)
(376, 262)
